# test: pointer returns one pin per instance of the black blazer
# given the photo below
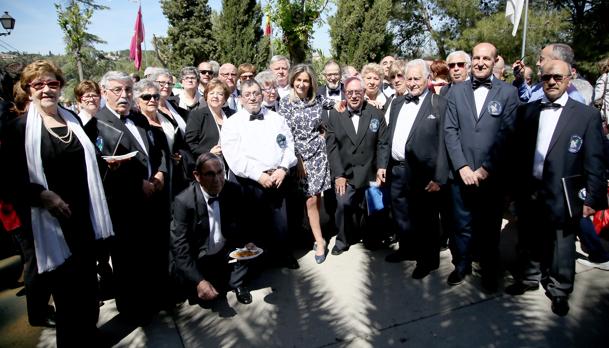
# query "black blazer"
(201, 130)
(357, 156)
(190, 228)
(425, 150)
(577, 121)
(174, 100)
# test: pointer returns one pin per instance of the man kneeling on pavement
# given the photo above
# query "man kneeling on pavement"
(204, 229)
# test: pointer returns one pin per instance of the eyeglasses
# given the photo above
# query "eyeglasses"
(249, 95)
(148, 97)
(38, 85)
(246, 77)
(228, 74)
(191, 78)
(206, 72)
(332, 74)
(555, 77)
(269, 90)
(397, 76)
(211, 174)
(117, 91)
(90, 96)
(215, 94)
(459, 64)
(165, 83)
(354, 93)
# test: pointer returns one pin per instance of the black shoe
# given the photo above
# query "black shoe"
(560, 305)
(520, 288)
(336, 251)
(399, 256)
(421, 272)
(43, 322)
(243, 295)
(455, 278)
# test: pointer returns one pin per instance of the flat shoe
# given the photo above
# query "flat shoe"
(243, 295)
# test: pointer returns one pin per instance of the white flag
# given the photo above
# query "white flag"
(513, 10)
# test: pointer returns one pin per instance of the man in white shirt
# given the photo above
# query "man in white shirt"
(259, 148)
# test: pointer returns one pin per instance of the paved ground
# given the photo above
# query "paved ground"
(357, 300)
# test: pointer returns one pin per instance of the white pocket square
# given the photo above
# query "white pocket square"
(431, 117)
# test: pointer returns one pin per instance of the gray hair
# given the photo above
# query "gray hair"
(421, 64)
(464, 54)
(160, 72)
(297, 70)
(215, 67)
(348, 80)
(189, 70)
(563, 52)
(140, 87)
(266, 77)
(114, 76)
(333, 62)
(249, 83)
(279, 58)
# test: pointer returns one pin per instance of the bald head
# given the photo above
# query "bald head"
(484, 56)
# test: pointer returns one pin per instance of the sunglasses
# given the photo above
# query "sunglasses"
(459, 64)
(206, 72)
(555, 77)
(38, 85)
(148, 97)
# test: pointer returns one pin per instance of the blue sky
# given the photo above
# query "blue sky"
(36, 29)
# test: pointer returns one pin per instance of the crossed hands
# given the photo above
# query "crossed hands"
(470, 177)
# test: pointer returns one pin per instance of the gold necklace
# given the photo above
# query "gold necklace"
(66, 139)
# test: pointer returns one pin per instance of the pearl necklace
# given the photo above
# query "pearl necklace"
(66, 139)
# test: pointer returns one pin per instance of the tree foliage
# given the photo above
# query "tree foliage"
(359, 31)
(73, 19)
(189, 36)
(296, 19)
(239, 35)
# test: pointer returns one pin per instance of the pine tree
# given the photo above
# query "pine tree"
(189, 36)
(359, 31)
(238, 33)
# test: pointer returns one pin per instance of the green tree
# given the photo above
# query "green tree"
(359, 31)
(296, 19)
(238, 32)
(189, 37)
(73, 18)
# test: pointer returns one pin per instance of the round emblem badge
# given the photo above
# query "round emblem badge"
(582, 194)
(281, 141)
(494, 108)
(575, 143)
(374, 125)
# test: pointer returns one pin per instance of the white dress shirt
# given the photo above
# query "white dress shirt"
(408, 113)
(480, 94)
(548, 118)
(216, 239)
(252, 147)
(136, 134)
(283, 91)
(354, 117)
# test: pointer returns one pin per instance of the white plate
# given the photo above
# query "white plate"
(258, 252)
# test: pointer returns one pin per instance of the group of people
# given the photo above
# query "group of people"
(167, 182)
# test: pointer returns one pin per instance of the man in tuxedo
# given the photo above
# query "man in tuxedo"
(333, 87)
(280, 66)
(459, 64)
(259, 148)
(132, 188)
(357, 148)
(387, 88)
(207, 225)
(476, 109)
(417, 167)
(554, 138)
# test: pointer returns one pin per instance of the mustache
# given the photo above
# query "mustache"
(123, 101)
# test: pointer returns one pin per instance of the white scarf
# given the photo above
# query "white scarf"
(168, 129)
(177, 117)
(49, 241)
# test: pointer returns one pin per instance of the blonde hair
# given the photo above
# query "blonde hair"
(373, 68)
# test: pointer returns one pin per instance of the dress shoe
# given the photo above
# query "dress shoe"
(336, 251)
(455, 278)
(320, 258)
(43, 322)
(560, 305)
(399, 256)
(520, 288)
(243, 295)
(421, 272)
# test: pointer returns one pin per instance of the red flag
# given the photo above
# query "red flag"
(267, 29)
(135, 51)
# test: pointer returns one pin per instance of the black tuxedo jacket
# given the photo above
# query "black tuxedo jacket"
(190, 227)
(357, 156)
(425, 150)
(564, 158)
(201, 130)
(469, 138)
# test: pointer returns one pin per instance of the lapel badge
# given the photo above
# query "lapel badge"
(99, 142)
(582, 194)
(374, 125)
(431, 117)
(494, 108)
(281, 141)
(575, 144)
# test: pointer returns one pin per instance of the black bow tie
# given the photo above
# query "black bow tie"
(482, 83)
(124, 118)
(270, 107)
(211, 200)
(258, 116)
(332, 92)
(411, 98)
(386, 85)
(354, 113)
(550, 106)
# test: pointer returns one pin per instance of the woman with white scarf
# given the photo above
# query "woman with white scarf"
(56, 188)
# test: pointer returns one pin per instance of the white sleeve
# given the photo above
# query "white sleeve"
(289, 158)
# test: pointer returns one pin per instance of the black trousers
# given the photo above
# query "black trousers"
(350, 211)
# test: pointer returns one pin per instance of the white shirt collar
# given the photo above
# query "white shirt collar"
(206, 195)
(562, 100)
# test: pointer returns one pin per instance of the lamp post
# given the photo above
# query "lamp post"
(8, 23)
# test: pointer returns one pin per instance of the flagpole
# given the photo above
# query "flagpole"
(144, 52)
(524, 30)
